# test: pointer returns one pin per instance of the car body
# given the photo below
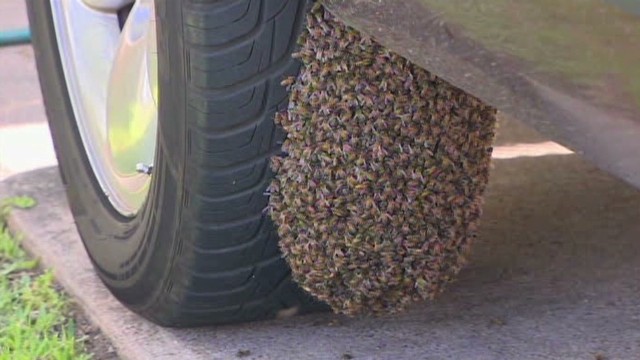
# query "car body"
(162, 115)
(570, 69)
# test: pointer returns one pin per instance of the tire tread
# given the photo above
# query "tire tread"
(237, 53)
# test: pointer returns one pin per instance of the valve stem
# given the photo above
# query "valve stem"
(144, 168)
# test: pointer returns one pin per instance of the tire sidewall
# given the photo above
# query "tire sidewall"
(142, 246)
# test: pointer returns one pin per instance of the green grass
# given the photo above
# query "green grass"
(35, 321)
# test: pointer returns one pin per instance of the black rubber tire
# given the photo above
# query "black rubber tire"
(202, 250)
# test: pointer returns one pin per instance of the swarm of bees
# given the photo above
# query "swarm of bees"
(378, 195)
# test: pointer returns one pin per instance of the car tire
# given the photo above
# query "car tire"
(201, 250)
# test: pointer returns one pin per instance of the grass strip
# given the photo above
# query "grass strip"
(35, 320)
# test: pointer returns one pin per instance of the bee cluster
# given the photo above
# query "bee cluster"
(378, 196)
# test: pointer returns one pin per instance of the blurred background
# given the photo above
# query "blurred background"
(24, 138)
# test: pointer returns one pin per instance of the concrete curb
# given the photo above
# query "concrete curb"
(48, 232)
(556, 276)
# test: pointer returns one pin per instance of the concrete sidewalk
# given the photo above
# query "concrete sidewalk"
(25, 143)
(554, 275)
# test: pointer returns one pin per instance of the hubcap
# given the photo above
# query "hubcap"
(111, 73)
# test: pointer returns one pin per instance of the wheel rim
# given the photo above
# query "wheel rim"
(110, 66)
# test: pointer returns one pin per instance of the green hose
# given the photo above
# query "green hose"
(15, 37)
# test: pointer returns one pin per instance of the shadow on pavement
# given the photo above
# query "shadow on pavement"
(555, 274)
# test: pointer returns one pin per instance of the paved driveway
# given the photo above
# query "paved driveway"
(24, 138)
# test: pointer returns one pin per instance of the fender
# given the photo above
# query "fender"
(569, 69)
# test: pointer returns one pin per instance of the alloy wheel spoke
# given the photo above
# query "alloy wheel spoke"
(107, 5)
(108, 53)
(131, 106)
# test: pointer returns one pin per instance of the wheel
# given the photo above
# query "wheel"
(162, 118)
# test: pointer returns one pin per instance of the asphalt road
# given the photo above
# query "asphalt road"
(555, 273)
